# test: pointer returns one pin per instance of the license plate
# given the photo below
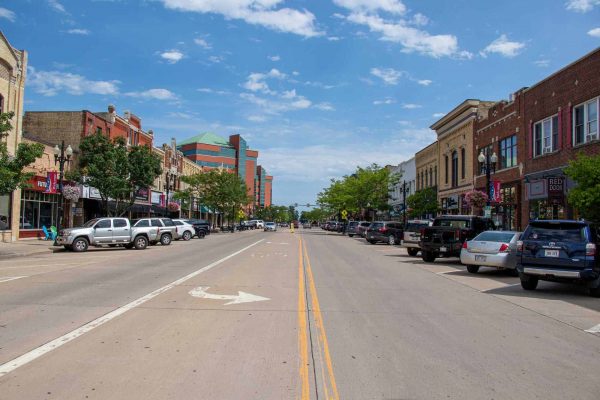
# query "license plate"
(480, 258)
(443, 249)
(551, 253)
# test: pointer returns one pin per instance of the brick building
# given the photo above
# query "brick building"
(13, 67)
(426, 165)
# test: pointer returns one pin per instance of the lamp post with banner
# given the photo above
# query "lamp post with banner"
(488, 163)
(62, 156)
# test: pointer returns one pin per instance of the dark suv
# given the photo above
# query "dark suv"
(559, 251)
(385, 231)
(201, 226)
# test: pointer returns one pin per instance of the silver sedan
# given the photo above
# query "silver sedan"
(491, 249)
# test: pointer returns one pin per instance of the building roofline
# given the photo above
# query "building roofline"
(426, 147)
(454, 112)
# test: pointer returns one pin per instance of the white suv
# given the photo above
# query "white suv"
(260, 224)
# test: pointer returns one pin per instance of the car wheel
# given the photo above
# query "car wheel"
(165, 239)
(350, 235)
(201, 234)
(187, 235)
(80, 245)
(412, 252)
(473, 268)
(391, 240)
(141, 243)
(427, 256)
(371, 241)
(528, 282)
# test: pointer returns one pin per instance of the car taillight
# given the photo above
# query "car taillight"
(465, 245)
(504, 248)
(457, 235)
(422, 232)
(519, 245)
(590, 249)
(382, 230)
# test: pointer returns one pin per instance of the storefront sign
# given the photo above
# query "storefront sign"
(556, 186)
(452, 202)
(537, 189)
(142, 194)
(40, 184)
(51, 182)
(155, 197)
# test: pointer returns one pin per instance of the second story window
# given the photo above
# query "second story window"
(508, 152)
(454, 169)
(585, 122)
(98, 130)
(462, 163)
(485, 150)
(446, 169)
(545, 136)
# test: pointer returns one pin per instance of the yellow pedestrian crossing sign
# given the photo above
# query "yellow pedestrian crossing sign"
(241, 214)
(344, 214)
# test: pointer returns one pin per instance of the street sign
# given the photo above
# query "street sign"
(487, 212)
(241, 214)
(344, 214)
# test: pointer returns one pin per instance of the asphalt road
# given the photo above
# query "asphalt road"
(305, 315)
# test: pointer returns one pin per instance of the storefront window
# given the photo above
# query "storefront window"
(5, 211)
(38, 209)
(544, 209)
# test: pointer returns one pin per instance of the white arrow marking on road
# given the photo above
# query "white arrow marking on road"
(595, 329)
(242, 297)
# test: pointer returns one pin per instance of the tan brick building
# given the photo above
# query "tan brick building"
(13, 67)
(426, 165)
(455, 132)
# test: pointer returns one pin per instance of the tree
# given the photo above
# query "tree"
(585, 196)
(12, 175)
(422, 203)
(116, 171)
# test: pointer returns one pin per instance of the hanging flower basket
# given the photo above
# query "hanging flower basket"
(172, 206)
(71, 193)
(476, 199)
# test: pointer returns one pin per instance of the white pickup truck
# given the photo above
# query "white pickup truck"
(107, 231)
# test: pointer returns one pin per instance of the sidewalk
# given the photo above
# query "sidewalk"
(23, 248)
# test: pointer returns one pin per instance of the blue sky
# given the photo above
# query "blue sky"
(317, 87)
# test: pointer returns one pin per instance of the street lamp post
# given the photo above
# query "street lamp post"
(169, 177)
(489, 164)
(404, 203)
(62, 156)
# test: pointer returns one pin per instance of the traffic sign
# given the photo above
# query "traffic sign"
(344, 214)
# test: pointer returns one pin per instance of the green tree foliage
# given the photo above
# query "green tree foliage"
(11, 166)
(316, 214)
(585, 197)
(273, 213)
(116, 171)
(422, 203)
(366, 188)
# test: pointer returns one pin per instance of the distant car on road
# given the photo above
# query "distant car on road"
(559, 251)
(351, 228)
(306, 225)
(385, 231)
(361, 230)
(491, 249)
(270, 226)
(185, 230)
(412, 236)
(167, 231)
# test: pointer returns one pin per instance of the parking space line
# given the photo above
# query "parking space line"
(66, 338)
(10, 278)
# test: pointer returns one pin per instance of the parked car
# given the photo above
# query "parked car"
(351, 228)
(185, 230)
(306, 225)
(270, 226)
(106, 231)
(258, 223)
(491, 249)
(202, 227)
(385, 231)
(361, 230)
(447, 234)
(167, 231)
(412, 236)
(284, 225)
(559, 251)
(296, 224)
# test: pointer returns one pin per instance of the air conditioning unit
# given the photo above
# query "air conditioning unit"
(547, 150)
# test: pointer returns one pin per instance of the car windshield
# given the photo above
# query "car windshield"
(494, 236)
(376, 225)
(453, 223)
(90, 223)
(416, 227)
(556, 232)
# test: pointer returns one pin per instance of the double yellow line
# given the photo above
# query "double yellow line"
(326, 366)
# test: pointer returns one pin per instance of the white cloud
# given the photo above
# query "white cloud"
(424, 82)
(438, 115)
(411, 106)
(419, 20)
(334, 38)
(172, 56)
(203, 43)
(410, 38)
(582, 6)
(504, 47)
(594, 32)
(212, 91)
(50, 83)
(391, 6)
(288, 94)
(257, 118)
(389, 76)
(255, 12)
(155, 94)
(274, 58)
(55, 4)
(542, 63)
(325, 106)
(256, 81)
(78, 32)
(7, 14)
(216, 59)
(386, 101)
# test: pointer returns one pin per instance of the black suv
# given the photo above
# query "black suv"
(559, 251)
(385, 231)
(201, 226)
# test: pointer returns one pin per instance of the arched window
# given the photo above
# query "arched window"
(462, 162)
(435, 178)
(454, 168)
(1, 104)
(431, 177)
(446, 169)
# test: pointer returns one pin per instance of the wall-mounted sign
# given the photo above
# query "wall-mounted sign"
(537, 189)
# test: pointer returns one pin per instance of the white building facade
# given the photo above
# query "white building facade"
(408, 174)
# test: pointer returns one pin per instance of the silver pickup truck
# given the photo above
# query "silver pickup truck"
(107, 231)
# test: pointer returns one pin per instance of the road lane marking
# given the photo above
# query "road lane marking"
(242, 297)
(10, 278)
(302, 328)
(595, 329)
(316, 308)
(58, 342)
